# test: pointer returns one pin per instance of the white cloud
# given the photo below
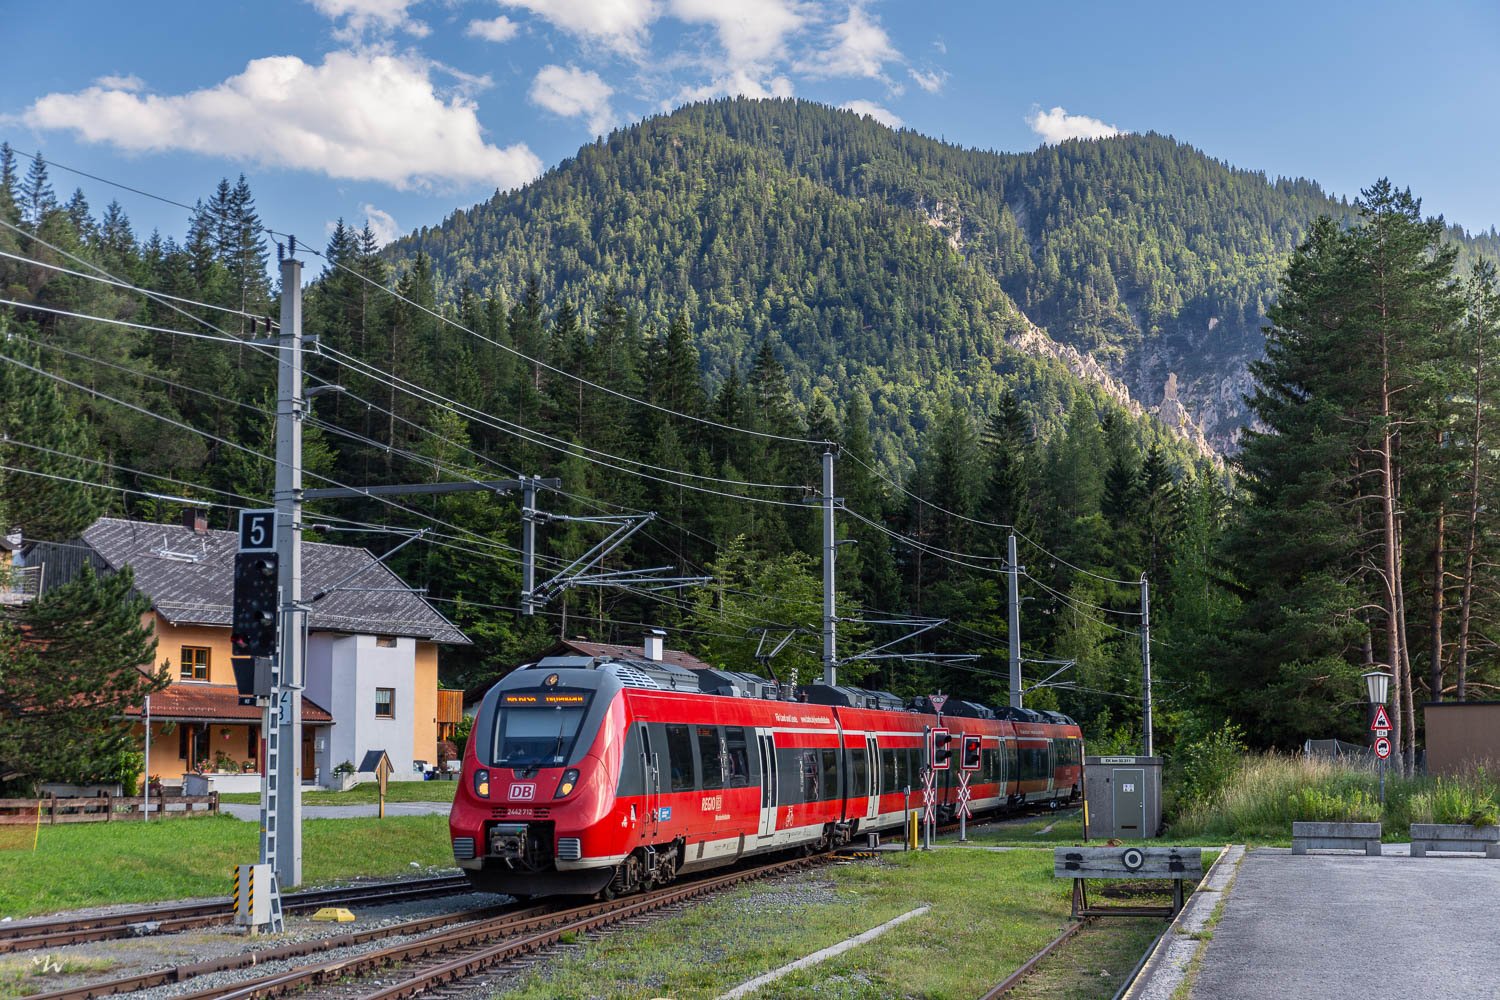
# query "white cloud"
(381, 223)
(572, 93)
(128, 81)
(360, 16)
(750, 30)
(932, 82)
(357, 116)
(739, 83)
(500, 29)
(1057, 126)
(618, 24)
(860, 47)
(884, 116)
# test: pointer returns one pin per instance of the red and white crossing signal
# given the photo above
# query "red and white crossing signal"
(941, 749)
(970, 759)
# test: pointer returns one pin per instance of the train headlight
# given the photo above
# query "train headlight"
(565, 786)
(482, 783)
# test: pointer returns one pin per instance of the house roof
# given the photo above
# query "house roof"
(189, 579)
(214, 702)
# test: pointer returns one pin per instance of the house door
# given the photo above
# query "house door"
(309, 762)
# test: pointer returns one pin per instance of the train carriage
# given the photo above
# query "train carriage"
(608, 775)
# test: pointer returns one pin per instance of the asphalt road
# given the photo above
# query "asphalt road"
(1329, 927)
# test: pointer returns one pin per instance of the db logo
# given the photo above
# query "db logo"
(527, 792)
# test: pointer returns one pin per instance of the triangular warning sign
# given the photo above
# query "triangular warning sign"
(1382, 721)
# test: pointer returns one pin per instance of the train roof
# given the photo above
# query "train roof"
(658, 675)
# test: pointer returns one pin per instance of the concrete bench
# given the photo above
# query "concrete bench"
(1336, 837)
(1459, 837)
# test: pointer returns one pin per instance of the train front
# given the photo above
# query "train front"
(539, 778)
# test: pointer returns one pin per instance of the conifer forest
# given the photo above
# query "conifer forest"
(822, 282)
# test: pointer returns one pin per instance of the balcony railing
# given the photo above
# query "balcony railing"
(19, 584)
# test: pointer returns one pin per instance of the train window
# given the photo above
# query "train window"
(529, 733)
(632, 768)
(830, 776)
(711, 754)
(989, 765)
(859, 773)
(1012, 763)
(737, 758)
(890, 773)
(681, 762)
(790, 782)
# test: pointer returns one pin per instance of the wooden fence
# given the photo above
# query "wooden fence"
(103, 808)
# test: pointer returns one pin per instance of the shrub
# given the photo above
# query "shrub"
(1467, 799)
(1207, 766)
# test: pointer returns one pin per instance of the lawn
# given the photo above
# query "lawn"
(990, 912)
(366, 794)
(92, 864)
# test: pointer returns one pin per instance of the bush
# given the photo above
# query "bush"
(1206, 767)
(1467, 799)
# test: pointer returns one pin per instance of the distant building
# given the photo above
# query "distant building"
(1461, 736)
(372, 650)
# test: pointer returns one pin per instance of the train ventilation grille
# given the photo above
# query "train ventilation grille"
(569, 849)
(463, 848)
(632, 677)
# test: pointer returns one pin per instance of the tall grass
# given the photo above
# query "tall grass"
(1266, 794)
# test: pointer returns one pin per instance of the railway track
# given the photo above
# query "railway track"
(169, 918)
(442, 954)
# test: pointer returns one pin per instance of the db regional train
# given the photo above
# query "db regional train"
(607, 775)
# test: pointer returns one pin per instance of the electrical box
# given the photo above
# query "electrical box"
(253, 894)
(1122, 796)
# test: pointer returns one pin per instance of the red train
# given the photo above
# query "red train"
(608, 775)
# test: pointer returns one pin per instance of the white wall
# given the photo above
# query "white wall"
(343, 672)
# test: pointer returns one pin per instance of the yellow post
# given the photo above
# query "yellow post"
(37, 835)
(911, 830)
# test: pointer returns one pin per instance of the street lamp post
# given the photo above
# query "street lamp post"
(1377, 687)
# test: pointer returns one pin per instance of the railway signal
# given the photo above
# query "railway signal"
(970, 759)
(256, 600)
(942, 750)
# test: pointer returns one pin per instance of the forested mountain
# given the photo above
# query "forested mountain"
(892, 264)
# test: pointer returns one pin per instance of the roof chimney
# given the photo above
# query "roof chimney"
(195, 520)
(653, 644)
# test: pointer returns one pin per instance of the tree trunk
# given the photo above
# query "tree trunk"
(1392, 554)
(1435, 682)
(1471, 539)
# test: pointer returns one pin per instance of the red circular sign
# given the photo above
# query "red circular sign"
(1382, 748)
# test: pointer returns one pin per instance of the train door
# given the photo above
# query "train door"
(767, 747)
(651, 775)
(1052, 768)
(872, 756)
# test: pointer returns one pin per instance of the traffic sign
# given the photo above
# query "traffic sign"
(258, 530)
(1382, 747)
(929, 798)
(938, 701)
(1382, 721)
(963, 795)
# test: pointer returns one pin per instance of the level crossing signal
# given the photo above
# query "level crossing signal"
(970, 759)
(942, 749)
(253, 626)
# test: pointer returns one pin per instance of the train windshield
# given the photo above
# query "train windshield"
(537, 729)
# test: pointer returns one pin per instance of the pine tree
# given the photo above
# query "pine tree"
(37, 198)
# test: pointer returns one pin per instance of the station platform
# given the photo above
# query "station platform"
(1326, 926)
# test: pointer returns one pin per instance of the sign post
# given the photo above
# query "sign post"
(1380, 726)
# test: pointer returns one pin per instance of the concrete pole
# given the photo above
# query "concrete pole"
(528, 544)
(830, 558)
(1146, 658)
(1013, 578)
(291, 658)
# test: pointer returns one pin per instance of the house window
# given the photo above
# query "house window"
(385, 641)
(194, 663)
(385, 703)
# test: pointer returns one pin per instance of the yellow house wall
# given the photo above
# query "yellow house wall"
(171, 638)
(424, 713)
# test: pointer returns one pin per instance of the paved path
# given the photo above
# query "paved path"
(245, 811)
(1329, 927)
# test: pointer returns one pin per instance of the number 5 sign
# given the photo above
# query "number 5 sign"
(258, 530)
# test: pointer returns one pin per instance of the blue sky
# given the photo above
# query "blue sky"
(398, 111)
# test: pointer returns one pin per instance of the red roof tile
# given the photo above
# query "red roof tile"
(215, 702)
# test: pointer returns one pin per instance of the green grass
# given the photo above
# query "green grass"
(366, 794)
(990, 912)
(1267, 794)
(92, 864)
(30, 974)
(1094, 963)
